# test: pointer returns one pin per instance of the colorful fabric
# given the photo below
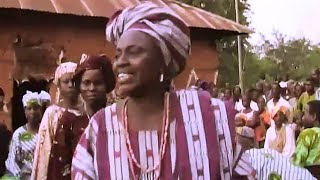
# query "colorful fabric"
(245, 131)
(260, 133)
(102, 63)
(162, 24)
(265, 117)
(273, 107)
(304, 99)
(20, 158)
(190, 154)
(94, 153)
(282, 141)
(69, 130)
(64, 68)
(268, 162)
(224, 138)
(231, 113)
(9, 177)
(308, 148)
(47, 131)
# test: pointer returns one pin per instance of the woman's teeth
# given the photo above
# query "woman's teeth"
(123, 76)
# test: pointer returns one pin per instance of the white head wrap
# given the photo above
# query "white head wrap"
(64, 68)
(44, 96)
(34, 97)
(30, 97)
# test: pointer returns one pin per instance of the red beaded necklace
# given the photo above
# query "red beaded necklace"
(164, 134)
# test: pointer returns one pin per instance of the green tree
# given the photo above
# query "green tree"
(295, 57)
(227, 46)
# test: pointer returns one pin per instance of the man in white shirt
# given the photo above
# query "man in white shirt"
(277, 101)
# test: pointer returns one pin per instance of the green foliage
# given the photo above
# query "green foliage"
(228, 71)
(295, 57)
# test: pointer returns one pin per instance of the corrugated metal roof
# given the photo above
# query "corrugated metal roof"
(193, 17)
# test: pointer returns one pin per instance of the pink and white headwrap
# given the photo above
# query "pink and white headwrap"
(64, 68)
(162, 24)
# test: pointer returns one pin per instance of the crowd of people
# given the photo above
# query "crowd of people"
(282, 116)
(151, 131)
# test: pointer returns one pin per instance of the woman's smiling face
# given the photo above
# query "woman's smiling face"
(137, 63)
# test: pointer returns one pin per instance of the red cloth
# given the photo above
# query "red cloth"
(69, 130)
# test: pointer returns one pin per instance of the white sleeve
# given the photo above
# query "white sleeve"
(290, 145)
(267, 141)
(11, 162)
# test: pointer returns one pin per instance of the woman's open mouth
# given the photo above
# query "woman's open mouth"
(124, 78)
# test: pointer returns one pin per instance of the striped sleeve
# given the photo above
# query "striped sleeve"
(268, 161)
(83, 161)
(11, 162)
(241, 163)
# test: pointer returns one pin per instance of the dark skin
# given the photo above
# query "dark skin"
(309, 87)
(138, 56)
(298, 91)
(279, 119)
(93, 89)
(266, 88)
(214, 92)
(227, 94)
(261, 105)
(1, 102)
(276, 92)
(236, 93)
(246, 104)
(255, 94)
(68, 93)
(309, 119)
(33, 114)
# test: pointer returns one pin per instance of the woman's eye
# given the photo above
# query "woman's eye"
(85, 83)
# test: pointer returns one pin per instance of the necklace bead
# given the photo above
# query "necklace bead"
(164, 132)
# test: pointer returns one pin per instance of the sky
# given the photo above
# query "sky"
(294, 18)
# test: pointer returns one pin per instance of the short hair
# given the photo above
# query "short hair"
(314, 108)
(234, 88)
(311, 80)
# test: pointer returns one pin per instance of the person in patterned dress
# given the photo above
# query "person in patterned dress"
(308, 144)
(153, 133)
(23, 143)
(67, 99)
(93, 78)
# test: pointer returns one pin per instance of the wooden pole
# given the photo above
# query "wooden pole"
(239, 49)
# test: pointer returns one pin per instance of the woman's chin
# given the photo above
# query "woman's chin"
(124, 92)
(132, 91)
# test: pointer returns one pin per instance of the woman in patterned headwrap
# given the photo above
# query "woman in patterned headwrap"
(23, 143)
(93, 78)
(152, 134)
(67, 100)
